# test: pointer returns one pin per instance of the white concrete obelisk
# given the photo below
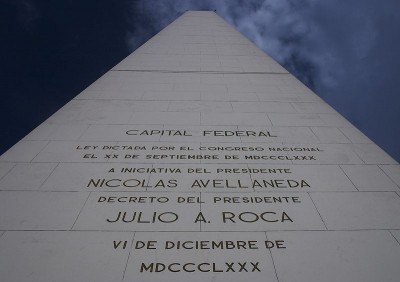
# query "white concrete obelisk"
(198, 158)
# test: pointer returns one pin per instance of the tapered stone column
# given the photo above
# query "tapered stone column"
(198, 158)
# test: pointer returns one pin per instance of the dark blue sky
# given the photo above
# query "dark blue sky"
(346, 51)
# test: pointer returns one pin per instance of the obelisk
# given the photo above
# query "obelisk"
(198, 158)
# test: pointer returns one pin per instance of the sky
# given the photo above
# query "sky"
(348, 52)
